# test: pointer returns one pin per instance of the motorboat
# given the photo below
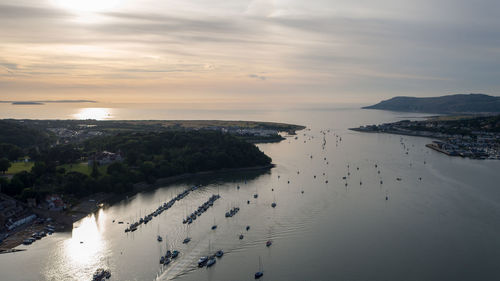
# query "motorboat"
(202, 261)
(211, 261)
(219, 253)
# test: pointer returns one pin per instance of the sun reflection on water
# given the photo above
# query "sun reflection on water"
(95, 113)
(86, 250)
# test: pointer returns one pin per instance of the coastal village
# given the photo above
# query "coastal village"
(454, 138)
(71, 131)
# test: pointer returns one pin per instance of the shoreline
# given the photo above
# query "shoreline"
(141, 186)
(92, 203)
(413, 134)
(455, 151)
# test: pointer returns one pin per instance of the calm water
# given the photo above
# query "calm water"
(443, 227)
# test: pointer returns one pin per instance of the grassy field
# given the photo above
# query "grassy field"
(80, 167)
(83, 168)
(17, 167)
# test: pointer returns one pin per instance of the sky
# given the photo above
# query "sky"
(247, 51)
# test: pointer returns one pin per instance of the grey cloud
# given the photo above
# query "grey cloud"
(29, 12)
(260, 77)
(441, 42)
(9, 66)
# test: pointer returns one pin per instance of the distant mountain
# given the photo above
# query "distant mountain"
(468, 103)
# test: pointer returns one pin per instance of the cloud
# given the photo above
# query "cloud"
(41, 102)
(260, 77)
(337, 48)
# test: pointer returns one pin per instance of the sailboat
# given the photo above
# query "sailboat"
(269, 241)
(159, 238)
(214, 226)
(187, 239)
(259, 273)
(219, 253)
(211, 260)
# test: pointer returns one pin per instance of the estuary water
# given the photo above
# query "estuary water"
(403, 212)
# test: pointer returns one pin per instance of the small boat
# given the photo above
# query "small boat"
(186, 240)
(248, 227)
(211, 261)
(259, 273)
(273, 205)
(162, 260)
(27, 241)
(175, 253)
(241, 236)
(219, 253)
(214, 227)
(255, 195)
(167, 261)
(248, 201)
(202, 261)
(100, 274)
(159, 238)
(269, 243)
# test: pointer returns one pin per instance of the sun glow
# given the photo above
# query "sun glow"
(86, 245)
(93, 113)
(87, 5)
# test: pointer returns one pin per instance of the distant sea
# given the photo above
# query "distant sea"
(156, 111)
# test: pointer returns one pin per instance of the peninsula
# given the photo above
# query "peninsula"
(450, 104)
(61, 169)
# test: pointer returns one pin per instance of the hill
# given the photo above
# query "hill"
(461, 103)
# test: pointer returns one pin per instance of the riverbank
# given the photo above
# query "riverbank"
(169, 180)
(63, 221)
(475, 138)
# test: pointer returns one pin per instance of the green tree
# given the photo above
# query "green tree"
(4, 165)
(95, 170)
